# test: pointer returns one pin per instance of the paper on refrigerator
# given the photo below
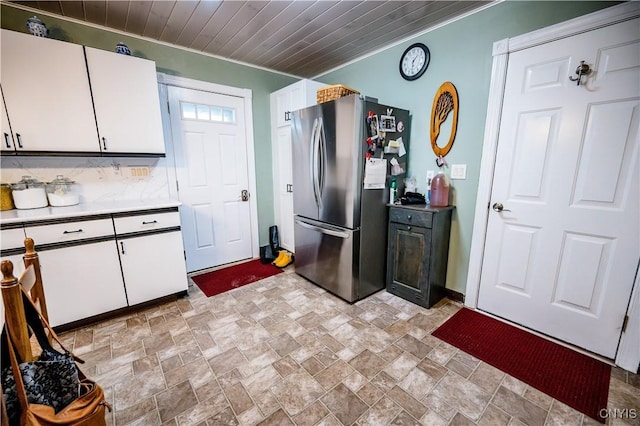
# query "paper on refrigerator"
(375, 173)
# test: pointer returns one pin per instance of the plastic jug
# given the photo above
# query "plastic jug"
(440, 190)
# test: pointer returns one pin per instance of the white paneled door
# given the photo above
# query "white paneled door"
(212, 170)
(562, 246)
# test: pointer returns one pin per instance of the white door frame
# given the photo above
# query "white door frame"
(165, 80)
(628, 356)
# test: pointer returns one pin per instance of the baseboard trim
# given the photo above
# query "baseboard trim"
(454, 295)
(118, 312)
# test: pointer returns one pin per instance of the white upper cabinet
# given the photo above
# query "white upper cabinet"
(281, 108)
(66, 99)
(47, 96)
(296, 96)
(7, 136)
(126, 101)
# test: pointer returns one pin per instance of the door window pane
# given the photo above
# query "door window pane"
(188, 111)
(201, 112)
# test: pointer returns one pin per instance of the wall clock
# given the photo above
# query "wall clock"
(414, 61)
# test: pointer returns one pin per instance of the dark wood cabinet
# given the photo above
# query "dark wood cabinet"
(418, 252)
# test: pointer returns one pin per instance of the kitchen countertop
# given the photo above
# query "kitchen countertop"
(84, 209)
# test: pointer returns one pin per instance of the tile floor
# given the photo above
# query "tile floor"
(283, 351)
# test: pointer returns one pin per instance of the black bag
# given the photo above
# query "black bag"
(267, 255)
(274, 239)
(50, 380)
(410, 198)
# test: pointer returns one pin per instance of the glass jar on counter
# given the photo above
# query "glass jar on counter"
(62, 192)
(28, 193)
(6, 202)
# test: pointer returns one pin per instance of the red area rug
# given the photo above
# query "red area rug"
(225, 279)
(577, 380)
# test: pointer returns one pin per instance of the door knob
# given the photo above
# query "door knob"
(498, 207)
(244, 195)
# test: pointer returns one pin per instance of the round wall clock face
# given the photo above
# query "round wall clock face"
(414, 61)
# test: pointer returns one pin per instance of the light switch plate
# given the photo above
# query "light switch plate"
(458, 171)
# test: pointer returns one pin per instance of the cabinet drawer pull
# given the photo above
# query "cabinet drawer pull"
(122, 247)
(6, 139)
(104, 143)
(19, 138)
(408, 228)
(149, 222)
(409, 217)
(73, 232)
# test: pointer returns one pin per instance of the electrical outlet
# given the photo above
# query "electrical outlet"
(458, 171)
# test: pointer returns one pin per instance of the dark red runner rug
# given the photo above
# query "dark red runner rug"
(225, 279)
(577, 380)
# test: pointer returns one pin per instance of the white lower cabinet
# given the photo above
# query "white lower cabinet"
(98, 264)
(153, 266)
(81, 281)
(284, 200)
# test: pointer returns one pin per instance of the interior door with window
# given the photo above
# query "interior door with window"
(562, 246)
(212, 170)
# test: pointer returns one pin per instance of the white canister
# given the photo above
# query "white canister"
(61, 192)
(29, 193)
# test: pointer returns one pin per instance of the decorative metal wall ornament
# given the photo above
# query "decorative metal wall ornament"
(445, 101)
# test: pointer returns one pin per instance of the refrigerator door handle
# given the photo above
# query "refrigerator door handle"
(324, 230)
(312, 159)
(315, 148)
(322, 154)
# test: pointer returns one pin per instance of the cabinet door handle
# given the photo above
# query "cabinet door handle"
(6, 140)
(19, 138)
(104, 143)
(122, 247)
(77, 231)
(149, 222)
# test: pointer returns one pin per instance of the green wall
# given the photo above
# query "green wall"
(461, 53)
(186, 64)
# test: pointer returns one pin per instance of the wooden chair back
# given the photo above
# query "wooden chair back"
(12, 297)
(15, 319)
(37, 291)
(14, 316)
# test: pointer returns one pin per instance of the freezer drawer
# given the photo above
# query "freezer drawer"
(327, 256)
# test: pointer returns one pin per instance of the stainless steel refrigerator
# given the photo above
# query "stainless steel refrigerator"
(341, 227)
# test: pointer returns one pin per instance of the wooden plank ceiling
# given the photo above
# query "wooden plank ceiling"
(302, 38)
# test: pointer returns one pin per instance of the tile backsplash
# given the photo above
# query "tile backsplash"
(98, 179)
